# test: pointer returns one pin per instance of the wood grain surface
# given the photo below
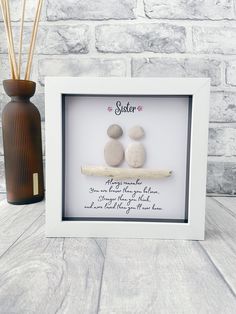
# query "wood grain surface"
(57, 275)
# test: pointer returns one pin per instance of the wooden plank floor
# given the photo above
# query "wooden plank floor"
(57, 275)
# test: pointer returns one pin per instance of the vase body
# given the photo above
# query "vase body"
(21, 127)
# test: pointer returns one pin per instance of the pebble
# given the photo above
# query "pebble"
(136, 132)
(135, 155)
(113, 153)
(114, 131)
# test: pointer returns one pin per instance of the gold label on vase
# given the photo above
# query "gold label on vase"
(35, 184)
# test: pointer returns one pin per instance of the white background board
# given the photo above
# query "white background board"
(165, 121)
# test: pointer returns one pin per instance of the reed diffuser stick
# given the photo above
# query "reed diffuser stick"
(33, 39)
(11, 67)
(14, 67)
(9, 44)
(11, 36)
(21, 36)
(10, 52)
(4, 20)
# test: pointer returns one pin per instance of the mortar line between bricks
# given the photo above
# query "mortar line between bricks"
(189, 39)
(129, 67)
(225, 159)
(231, 156)
(214, 90)
(140, 9)
(139, 20)
(144, 54)
(92, 41)
(220, 124)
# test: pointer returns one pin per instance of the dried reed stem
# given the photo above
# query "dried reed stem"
(4, 20)
(13, 56)
(11, 67)
(10, 53)
(16, 69)
(21, 36)
(33, 39)
(4, 14)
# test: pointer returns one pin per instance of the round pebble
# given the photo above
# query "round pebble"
(135, 155)
(114, 131)
(113, 153)
(136, 132)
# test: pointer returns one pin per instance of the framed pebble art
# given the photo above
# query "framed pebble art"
(126, 157)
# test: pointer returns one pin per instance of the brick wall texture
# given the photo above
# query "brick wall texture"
(141, 38)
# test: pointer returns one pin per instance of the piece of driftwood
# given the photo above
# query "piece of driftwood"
(125, 173)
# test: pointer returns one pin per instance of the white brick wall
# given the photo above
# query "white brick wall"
(142, 38)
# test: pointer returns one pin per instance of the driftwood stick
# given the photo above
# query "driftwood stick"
(125, 173)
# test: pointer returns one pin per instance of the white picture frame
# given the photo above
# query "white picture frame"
(196, 88)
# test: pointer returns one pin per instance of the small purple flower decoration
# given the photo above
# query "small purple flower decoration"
(140, 108)
(109, 108)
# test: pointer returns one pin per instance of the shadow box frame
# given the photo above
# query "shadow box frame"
(198, 89)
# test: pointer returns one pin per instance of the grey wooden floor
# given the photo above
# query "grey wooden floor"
(40, 275)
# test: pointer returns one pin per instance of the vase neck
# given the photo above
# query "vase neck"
(20, 98)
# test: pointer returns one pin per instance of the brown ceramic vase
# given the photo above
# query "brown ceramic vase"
(21, 126)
